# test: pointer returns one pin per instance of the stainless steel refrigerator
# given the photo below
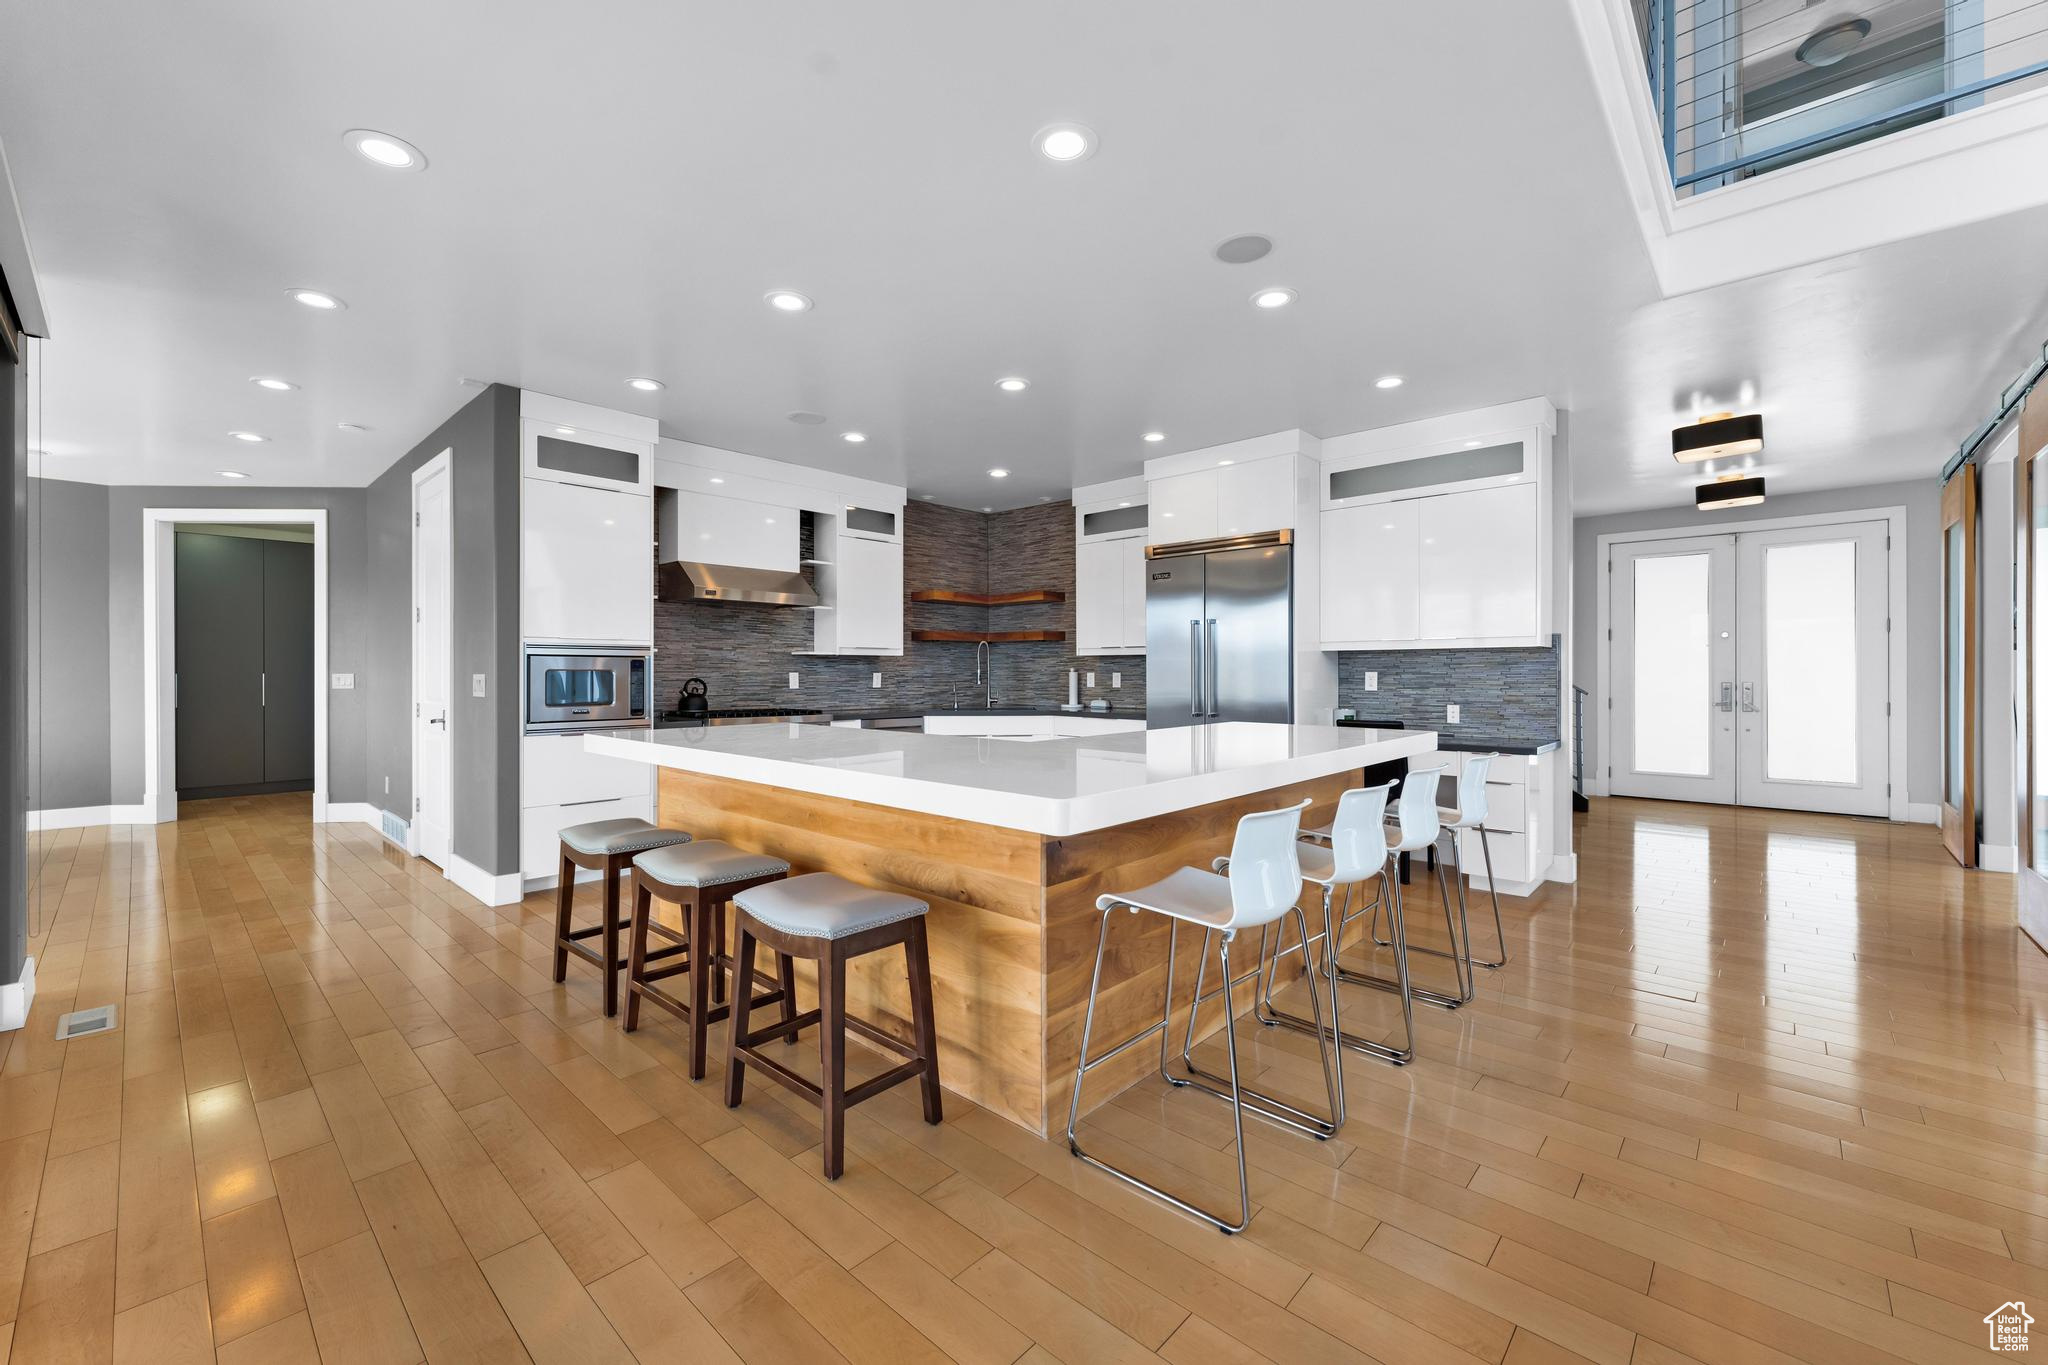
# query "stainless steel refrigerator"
(1219, 633)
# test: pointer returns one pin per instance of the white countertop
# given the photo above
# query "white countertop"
(1052, 787)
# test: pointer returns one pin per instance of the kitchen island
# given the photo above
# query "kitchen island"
(1010, 842)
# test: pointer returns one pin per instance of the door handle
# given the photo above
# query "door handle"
(1210, 654)
(1195, 668)
(441, 721)
(1749, 697)
(263, 689)
(1727, 702)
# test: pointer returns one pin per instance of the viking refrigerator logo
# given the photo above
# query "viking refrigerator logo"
(2008, 1323)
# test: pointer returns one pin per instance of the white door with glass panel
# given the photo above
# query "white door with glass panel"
(1751, 668)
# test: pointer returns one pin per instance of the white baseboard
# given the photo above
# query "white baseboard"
(1564, 868)
(490, 888)
(17, 996)
(79, 817)
(1923, 813)
(349, 813)
(1998, 857)
(551, 880)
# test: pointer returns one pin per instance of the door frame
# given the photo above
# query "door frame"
(159, 640)
(442, 463)
(1898, 808)
(1959, 506)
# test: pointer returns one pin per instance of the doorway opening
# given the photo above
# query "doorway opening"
(208, 726)
(1758, 665)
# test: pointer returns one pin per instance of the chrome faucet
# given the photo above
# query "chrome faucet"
(985, 672)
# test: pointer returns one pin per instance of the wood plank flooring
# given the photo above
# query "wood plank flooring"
(1761, 1088)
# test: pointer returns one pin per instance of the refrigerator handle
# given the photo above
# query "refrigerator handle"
(1195, 667)
(1209, 653)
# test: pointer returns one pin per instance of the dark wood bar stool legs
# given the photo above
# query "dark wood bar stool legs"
(830, 921)
(701, 878)
(606, 847)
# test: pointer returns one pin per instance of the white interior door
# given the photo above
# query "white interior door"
(1753, 668)
(431, 683)
(1672, 665)
(1815, 692)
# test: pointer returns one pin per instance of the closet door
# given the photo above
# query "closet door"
(287, 661)
(219, 633)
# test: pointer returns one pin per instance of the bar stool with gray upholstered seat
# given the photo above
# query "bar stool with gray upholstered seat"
(830, 921)
(607, 848)
(700, 878)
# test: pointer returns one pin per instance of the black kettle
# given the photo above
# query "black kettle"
(695, 700)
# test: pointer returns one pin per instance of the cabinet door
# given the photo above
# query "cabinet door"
(586, 570)
(1369, 589)
(1478, 556)
(1132, 565)
(704, 529)
(1255, 497)
(1183, 507)
(1098, 596)
(870, 600)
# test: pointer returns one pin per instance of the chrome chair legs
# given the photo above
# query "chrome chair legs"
(1231, 1089)
(1461, 958)
(1327, 964)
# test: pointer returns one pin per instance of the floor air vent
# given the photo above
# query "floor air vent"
(394, 829)
(79, 1023)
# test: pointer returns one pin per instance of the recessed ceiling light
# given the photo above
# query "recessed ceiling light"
(1155, 435)
(1013, 384)
(716, 479)
(382, 149)
(249, 436)
(1273, 298)
(1123, 504)
(999, 473)
(1224, 462)
(233, 474)
(469, 383)
(788, 301)
(1471, 445)
(1388, 381)
(274, 385)
(352, 428)
(929, 496)
(565, 431)
(1064, 142)
(317, 298)
(988, 509)
(853, 437)
(645, 385)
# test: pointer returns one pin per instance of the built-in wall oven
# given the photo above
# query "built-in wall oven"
(586, 691)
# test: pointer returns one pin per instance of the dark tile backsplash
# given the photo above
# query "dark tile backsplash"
(1504, 694)
(746, 653)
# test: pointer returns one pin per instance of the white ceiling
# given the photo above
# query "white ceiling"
(612, 187)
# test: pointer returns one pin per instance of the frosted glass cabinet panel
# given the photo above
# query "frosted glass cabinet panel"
(1478, 563)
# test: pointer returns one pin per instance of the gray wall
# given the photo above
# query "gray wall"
(1922, 501)
(483, 732)
(14, 727)
(70, 763)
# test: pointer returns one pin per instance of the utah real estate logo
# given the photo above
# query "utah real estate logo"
(2008, 1324)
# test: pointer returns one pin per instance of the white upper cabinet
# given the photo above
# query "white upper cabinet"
(1370, 572)
(1233, 499)
(1109, 568)
(586, 567)
(1478, 563)
(701, 528)
(860, 583)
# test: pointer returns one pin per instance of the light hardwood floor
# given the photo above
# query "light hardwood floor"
(1761, 1088)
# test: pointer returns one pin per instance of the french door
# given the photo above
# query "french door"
(1751, 668)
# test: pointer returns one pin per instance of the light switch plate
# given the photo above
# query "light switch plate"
(476, 684)
(1088, 681)
(344, 682)
(792, 682)
(1372, 681)
(1116, 680)
(874, 680)
(1451, 714)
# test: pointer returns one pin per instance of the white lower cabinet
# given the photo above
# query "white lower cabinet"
(1517, 833)
(564, 784)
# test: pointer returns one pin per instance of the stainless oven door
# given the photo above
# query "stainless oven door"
(585, 691)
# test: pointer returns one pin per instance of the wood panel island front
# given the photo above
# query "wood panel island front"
(1010, 842)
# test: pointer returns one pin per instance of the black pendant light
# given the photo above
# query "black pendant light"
(1739, 492)
(1712, 438)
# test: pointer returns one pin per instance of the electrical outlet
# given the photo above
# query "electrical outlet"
(476, 684)
(793, 682)
(1116, 680)
(1372, 682)
(387, 784)
(1088, 681)
(874, 680)
(1451, 714)
(344, 682)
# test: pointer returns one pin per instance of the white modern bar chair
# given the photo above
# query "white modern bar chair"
(1263, 884)
(1418, 828)
(1468, 814)
(1357, 852)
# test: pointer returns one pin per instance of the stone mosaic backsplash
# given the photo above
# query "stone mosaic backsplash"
(1505, 694)
(745, 653)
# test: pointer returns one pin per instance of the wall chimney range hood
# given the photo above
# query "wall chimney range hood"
(688, 581)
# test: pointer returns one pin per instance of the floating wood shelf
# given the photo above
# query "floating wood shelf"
(987, 599)
(994, 637)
